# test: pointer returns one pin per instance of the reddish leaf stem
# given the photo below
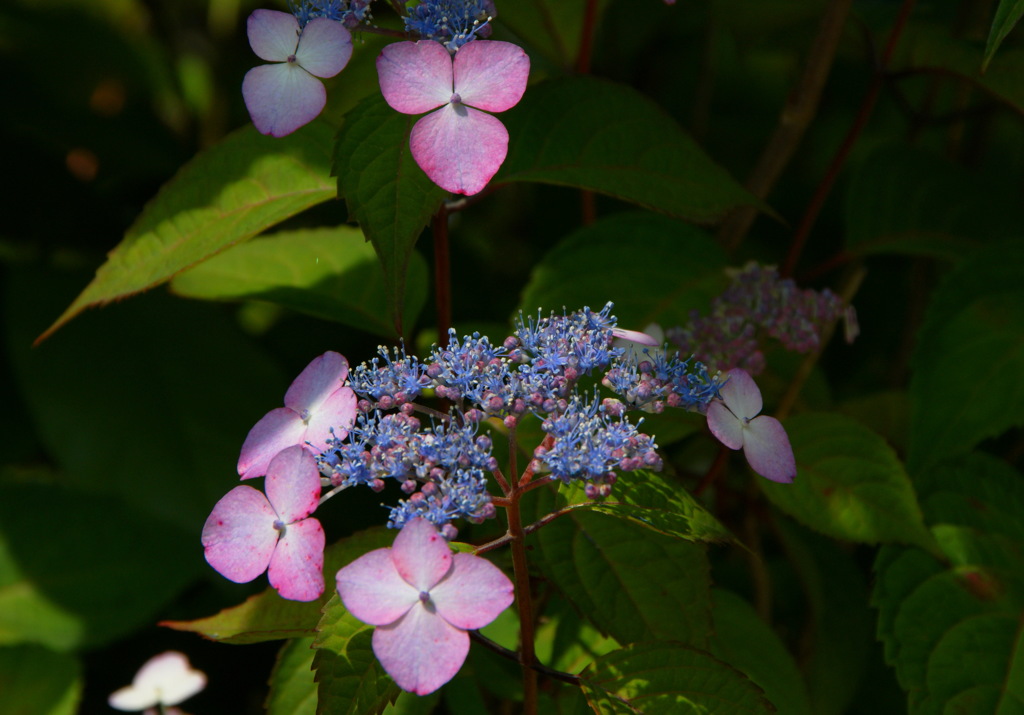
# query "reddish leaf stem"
(442, 275)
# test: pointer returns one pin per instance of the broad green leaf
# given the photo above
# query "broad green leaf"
(38, 681)
(148, 401)
(84, 562)
(384, 189)
(1007, 16)
(267, 616)
(649, 500)
(976, 317)
(669, 678)
(849, 485)
(609, 138)
(653, 268)
(951, 628)
(225, 195)
(743, 640)
(552, 27)
(330, 273)
(631, 583)
(350, 680)
(292, 687)
(906, 201)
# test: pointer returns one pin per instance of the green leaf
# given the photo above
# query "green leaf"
(292, 687)
(651, 502)
(976, 317)
(384, 189)
(551, 27)
(743, 640)
(669, 678)
(951, 627)
(629, 581)
(223, 196)
(904, 200)
(38, 681)
(351, 681)
(849, 485)
(79, 569)
(267, 616)
(330, 273)
(605, 137)
(1007, 16)
(633, 260)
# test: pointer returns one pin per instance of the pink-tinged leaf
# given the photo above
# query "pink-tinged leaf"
(491, 75)
(324, 47)
(321, 378)
(296, 568)
(239, 535)
(725, 426)
(373, 591)
(742, 395)
(459, 148)
(273, 35)
(422, 651)
(421, 555)
(474, 593)
(282, 97)
(766, 446)
(338, 412)
(415, 77)
(277, 430)
(293, 484)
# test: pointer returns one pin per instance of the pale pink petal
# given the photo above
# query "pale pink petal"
(635, 336)
(726, 427)
(324, 47)
(415, 77)
(239, 535)
(320, 379)
(491, 75)
(422, 651)
(167, 678)
(421, 555)
(297, 566)
(273, 35)
(459, 148)
(474, 594)
(742, 395)
(277, 430)
(339, 412)
(766, 446)
(293, 484)
(282, 97)
(373, 591)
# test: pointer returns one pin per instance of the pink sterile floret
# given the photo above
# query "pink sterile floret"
(284, 96)
(423, 598)
(248, 533)
(459, 147)
(165, 679)
(737, 422)
(315, 403)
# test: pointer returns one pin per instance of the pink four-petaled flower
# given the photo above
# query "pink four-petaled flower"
(249, 533)
(282, 97)
(737, 423)
(423, 598)
(317, 401)
(459, 147)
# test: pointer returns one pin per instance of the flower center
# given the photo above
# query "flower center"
(456, 99)
(279, 525)
(290, 59)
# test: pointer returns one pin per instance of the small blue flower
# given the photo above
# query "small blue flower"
(453, 23)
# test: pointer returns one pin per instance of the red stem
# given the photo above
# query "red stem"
(442, 275)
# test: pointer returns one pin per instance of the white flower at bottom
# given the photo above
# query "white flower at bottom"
(165, 679)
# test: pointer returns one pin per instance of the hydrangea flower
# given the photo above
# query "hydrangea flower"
(423, 599)
(318, 405)
(165, 679)
(284, 96)
(249, 533)
(737, 423)
(458, 146)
